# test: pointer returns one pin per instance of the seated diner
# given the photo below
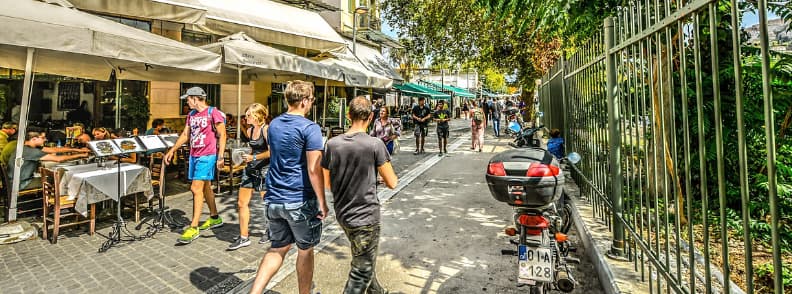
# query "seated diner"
(33, 152)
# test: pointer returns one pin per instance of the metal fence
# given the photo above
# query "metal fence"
(677, 129)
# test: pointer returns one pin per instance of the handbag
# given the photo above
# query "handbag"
(395, 146)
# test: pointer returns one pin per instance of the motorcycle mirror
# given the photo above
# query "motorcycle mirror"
(573, 157)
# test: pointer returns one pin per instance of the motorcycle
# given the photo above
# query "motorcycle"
(514, 121)
(531, 181)
(524, 136)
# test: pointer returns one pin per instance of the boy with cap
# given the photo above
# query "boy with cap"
(205, 128)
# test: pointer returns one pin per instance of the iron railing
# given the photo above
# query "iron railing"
(657, 106)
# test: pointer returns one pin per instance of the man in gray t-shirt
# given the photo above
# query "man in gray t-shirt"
(351, 162)
(33, 153)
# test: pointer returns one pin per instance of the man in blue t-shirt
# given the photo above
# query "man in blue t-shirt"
(295, 188)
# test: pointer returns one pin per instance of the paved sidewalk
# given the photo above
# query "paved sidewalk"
(159, 264)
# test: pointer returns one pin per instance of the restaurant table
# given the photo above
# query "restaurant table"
(90, 184)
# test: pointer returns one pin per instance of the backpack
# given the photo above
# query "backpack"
(478, 116)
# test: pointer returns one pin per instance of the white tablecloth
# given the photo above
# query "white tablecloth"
(90, 184)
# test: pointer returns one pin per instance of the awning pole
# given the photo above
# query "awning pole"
(21, 134)
(324, 105)
(239, 104)
(118, 103)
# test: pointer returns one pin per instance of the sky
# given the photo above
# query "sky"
(750, 19)
(388, 30)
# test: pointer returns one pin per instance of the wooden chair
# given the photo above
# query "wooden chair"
(55, 201)
(25, 198)
(183, 157)
(226, 174)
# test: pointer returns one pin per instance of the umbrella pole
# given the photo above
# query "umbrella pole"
(22, 132)
(239, 104)
(324, 105)
(118, 103)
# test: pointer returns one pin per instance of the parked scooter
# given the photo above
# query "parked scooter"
(525, 137)
(514, 121)
(531, 181)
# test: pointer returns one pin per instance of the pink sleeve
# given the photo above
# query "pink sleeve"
(218, 116)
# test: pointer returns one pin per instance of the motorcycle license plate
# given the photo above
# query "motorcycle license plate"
(535, 264)
(516, 189)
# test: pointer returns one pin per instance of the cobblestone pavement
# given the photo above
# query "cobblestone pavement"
(157, 264)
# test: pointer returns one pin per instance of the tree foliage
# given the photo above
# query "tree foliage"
(467, 32)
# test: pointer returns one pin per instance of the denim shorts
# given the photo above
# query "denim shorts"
(202, 168)
(254, 179)
(294, 223)
(421, 130)
(442, 132)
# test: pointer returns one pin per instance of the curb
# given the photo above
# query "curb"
(605, 274)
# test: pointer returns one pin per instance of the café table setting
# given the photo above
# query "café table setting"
(91, 183)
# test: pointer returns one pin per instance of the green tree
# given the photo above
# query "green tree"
(517, 36)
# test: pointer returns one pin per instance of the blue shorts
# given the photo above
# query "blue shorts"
(202, 168)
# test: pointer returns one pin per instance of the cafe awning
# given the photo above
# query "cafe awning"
(416, 90)
(488, 93)
(239, 49)
(251, 57)
(459, 92)
(180, 11)
(78, 44)
(271, 22)
(355, 73)
(374, 61)
(49, 38)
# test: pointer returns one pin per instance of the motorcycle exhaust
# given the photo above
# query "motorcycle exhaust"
(564, 281)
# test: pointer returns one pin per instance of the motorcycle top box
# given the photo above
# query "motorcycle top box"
(528, 177)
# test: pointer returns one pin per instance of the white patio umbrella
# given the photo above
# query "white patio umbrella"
(245, 54)
(355, 73)
(53, 39)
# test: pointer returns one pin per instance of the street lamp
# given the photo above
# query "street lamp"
(359, 10)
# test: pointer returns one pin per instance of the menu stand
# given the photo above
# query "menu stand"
(163, 218)
(119, 148)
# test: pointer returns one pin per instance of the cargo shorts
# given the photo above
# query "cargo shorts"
(291, 223)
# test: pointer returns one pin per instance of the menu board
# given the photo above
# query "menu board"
(170, 139)
(152, 142)
(73, 132)
(128, 145)
(104, 148)
(68, 95)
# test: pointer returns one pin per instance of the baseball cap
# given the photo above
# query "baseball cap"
(194, 91)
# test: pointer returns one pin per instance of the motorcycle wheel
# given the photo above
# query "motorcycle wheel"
(567, 218)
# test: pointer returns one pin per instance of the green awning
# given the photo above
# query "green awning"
(488, 94)
(457, 91)
(415, 90)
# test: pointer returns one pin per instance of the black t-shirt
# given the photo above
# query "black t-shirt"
(442, 114)
(353, 161)
(421, 112)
